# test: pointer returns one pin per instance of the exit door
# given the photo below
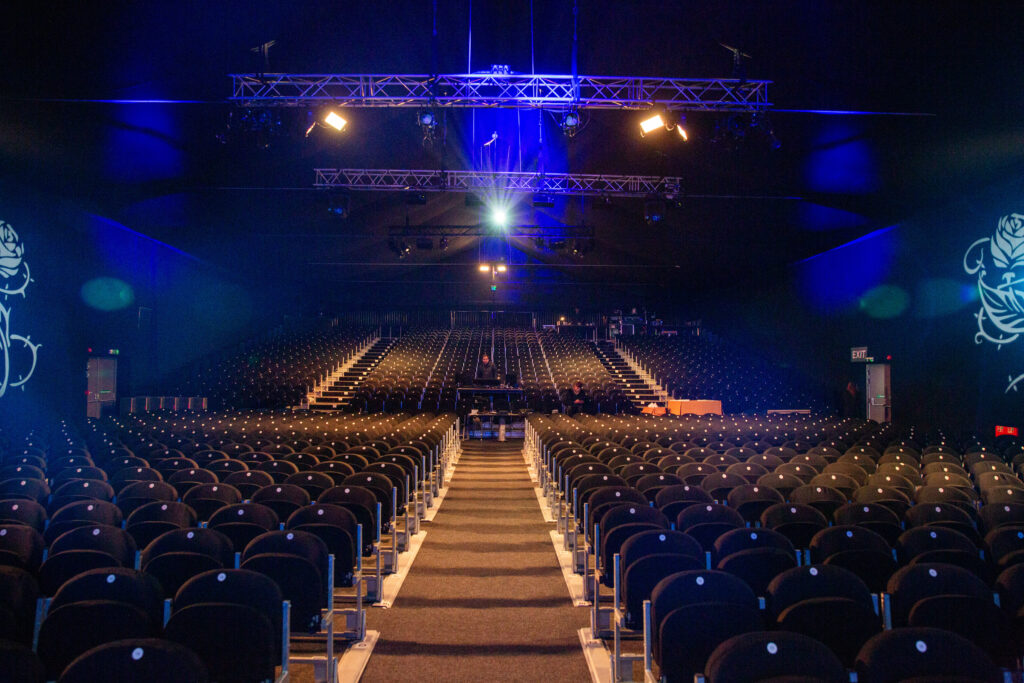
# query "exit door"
(879, 392)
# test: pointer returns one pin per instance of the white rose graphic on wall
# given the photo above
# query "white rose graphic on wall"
(1000, 285)
(18, 354)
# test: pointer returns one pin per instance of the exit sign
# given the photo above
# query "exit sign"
(859, 354)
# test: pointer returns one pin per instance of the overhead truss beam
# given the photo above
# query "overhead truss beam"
(548, 231)
(499, 182)
(517, 91)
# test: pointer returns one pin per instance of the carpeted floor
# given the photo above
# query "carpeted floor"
(485, 600)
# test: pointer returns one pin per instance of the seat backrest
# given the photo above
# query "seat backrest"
(923, 654)
(698, 586)
(202, 541)
(163, 511)
(119, 584)
(816, 581)
(707, 513)
(631, 513)
(112, 540)
(762, 655)
(749, 539)
(153, 660)
(290, 542)
(324, 513)
(62, 636)
(662, 542)
(681, 493)
(233, 586)
(929, 579)
(245, 513)
(913, 542)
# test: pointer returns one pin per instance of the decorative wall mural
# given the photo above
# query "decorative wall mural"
(995, 260)
(18, 354)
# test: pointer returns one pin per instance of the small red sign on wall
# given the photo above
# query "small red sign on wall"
(1007, 431)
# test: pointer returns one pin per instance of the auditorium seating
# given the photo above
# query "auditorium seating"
(275, 373)
(828, 525)
(425, 367)
(712, 368)
(166, 520)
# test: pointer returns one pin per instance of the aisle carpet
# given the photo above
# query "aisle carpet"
(485, 600)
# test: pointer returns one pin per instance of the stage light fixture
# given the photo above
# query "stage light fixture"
(442, 244)
(502, 268)
(484, 268)
(653, 123)
(544, 200)
(335, 121)
(500, 217)
(681, 128)
(426, 118)
(570, 123)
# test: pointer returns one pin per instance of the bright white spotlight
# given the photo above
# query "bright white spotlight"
(502, 268)
(484, 268)
(500, 217)
(653, 123)
(682, 132)
(334, 121)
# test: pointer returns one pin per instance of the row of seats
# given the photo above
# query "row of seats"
(642, 499)
(301, 499)
(690, 367)
(425, 368)
(275, 373)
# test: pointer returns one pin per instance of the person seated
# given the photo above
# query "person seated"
(575, 398)
(486, 369)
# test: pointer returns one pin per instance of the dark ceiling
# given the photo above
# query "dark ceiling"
(748, 211)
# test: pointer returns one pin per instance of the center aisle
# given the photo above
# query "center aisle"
(485, 600)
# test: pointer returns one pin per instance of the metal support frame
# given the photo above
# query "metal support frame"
(518, 91)
(483, 230)
(504, 182)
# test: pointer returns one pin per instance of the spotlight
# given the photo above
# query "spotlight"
(653, 123)
(426, 118)
(442, 243)
(502, 268)
(681, 127)
(500, 217)
(335, 121)
(570, 123)
(483, 268)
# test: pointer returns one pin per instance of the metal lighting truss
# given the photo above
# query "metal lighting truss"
(502, 182)
(536, 231)
(518, 91)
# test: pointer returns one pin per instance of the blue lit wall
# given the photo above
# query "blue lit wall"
(97, 283)
(900, 290)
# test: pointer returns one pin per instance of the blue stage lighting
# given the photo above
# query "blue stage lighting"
(500, 217)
